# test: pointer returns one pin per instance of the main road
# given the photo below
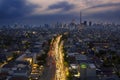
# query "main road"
(55, 69)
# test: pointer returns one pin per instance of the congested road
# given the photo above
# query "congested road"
(55, 69)
(60, 69)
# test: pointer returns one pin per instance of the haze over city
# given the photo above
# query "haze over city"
(51, 11)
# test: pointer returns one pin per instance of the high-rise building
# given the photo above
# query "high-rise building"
(85, 23)
(90, 23)
(87, 71)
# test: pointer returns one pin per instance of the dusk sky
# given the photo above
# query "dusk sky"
(51, 11)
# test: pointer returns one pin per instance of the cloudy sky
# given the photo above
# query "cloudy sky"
(51, 11)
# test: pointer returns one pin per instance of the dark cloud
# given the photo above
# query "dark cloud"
(15, 8)
(65, 6)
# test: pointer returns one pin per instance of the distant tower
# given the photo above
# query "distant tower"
(85, 23)
(90, 23)
(80, 18)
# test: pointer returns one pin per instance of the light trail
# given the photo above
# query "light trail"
(56, 56)
(60, 72)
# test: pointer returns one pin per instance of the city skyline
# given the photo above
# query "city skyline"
(43, 11)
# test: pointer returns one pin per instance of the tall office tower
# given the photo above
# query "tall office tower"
(90, 23)
(85, 23)
(87, 71)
